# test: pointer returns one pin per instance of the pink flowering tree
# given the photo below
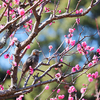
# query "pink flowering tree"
(28, 15)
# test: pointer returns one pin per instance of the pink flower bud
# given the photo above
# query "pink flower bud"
(28, 46)
(81, 10)
(31, 70)
(89, 75)
(50, 47)
(1, 87)
(58, 90)
(59, 11)
(58, 75)
(6, 56)
(90, 64)
(47, 87)
(73, 69)
(77, 11)
(8, 72)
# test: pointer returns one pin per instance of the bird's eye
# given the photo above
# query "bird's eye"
(34, 53)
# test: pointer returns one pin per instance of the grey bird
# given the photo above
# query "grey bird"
(32, 61)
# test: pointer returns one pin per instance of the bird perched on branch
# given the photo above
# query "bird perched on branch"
(32, 61)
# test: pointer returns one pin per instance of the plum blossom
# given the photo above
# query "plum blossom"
(90, 64)
(21, 11)
(58, 75)
(61, 96)
(83, 90)
(1, 87)
(70, 98)
(6, 56)
(28, 46)
(50, 47)
(71, 89)
(8, 72)
(59, 11)
(31, 70)
(90, 79)
(58, 90)
(20, 97)
(47, 87)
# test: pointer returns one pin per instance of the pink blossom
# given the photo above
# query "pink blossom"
(77, 11)
(6, 56)
(0, 6)
(15, 64)
(31, 11)
(21, 11)
(83, 90)
(68, 40)
(61, 96)
(1, 87)
(50, 24)
(78, 20)
(93, 75)
(84, 44)
(50, 47)
(73, 69)
(77, 67)
(70, 98)
(71, 89)
(91, 49)
(59, 11)
(28, 46)
(13, 41)
(46, 9)
(90, 79)
(4, 4)
(61, 59)
(96, 74)
(11, 11)
(81, 10)
(95, 60)
(89, 75)
(55, 98)
(11, 57)
(47, 87)
(8, 72)
(71, 30)
(88, 47)
(72, 42)
(1, 26)
(16, 2)
(90, 64)
(20, 97)
(67, 49)
(58, 90)
(98, 50)
(30, 21)
(31, 70)
(58, 75)
(78, 47)
(70, 35)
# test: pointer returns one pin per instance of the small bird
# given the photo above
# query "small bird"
(32, 61)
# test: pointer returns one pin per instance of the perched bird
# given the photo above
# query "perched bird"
(32, 61)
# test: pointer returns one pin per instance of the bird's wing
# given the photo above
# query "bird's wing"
(29, 61)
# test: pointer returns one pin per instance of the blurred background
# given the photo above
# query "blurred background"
(54, 35)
